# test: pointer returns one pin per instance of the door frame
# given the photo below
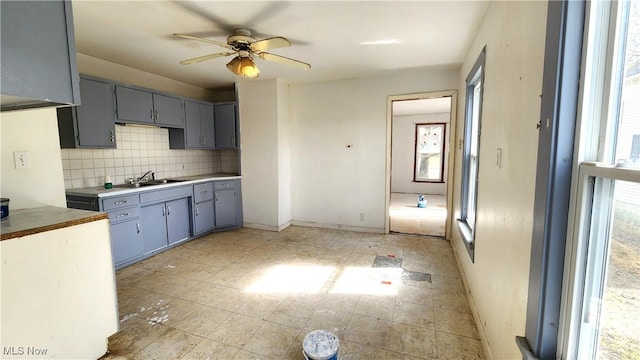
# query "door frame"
(453, 94)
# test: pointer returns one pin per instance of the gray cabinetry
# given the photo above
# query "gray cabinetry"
(226, 126)
(144, 107)
(198, 132)
(126, 236)
(203, 214)
(227, 203)
(178, 224)
(38, 54)
(92, 124)
(165, 217)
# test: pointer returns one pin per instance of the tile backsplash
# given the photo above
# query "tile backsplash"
(140, 149)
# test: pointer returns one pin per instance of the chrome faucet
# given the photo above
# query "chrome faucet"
(145, 174)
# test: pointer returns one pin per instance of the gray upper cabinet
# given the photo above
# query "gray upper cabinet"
(38, 54)
(225, 126)
(92, 124)
(144, 107)
(198, 130)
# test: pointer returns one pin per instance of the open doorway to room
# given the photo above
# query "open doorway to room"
(418, 191)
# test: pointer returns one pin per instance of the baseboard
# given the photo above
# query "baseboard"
(284, 226)
(474, 310)
(338, 227)
(260, 227)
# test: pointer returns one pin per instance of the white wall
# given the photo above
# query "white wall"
(284, 156)
(332, 184)
(35, 131)
(514, 34)
(258, 102)
(403, 136)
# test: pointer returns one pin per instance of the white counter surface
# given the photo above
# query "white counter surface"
(100, 191)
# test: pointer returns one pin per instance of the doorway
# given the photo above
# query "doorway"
(420, 133)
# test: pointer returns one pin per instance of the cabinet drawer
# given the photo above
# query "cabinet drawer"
(202, 192)
(120, 202)
(124, 214)
(163, 195)
(225, 184)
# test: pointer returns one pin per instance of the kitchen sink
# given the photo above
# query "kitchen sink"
(147, 183)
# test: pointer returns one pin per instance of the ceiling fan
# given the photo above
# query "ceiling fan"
(245, 47)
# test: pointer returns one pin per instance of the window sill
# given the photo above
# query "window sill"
(467, 236)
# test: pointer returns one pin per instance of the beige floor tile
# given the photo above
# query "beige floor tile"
(236, 330)
(246, 355)
(203, 321)
(332, 320)
(135, 337)
(272, 340)
(415, 292)
(369, 331)
(414, 314)
(259, 305)
(140, 302)
(293, 311)
(172, 345)
(457, 323)
(209, 350)
(374, 306)
(413, 340)
(454, 347)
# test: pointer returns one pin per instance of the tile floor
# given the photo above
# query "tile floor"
(250, 294)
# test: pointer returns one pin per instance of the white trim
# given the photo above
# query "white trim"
(338, 227)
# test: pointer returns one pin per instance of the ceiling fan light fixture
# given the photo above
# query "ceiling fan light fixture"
(243, 66)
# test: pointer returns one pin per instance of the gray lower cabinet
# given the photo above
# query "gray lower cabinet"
(165, 223)
(92, 124)
(126, 241)
(203, 214)
(227, 203)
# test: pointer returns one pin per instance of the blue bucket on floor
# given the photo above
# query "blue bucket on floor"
(320, 345)
(422, 203)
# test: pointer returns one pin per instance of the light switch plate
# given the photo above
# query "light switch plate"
(21, 159)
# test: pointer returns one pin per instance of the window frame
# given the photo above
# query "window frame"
(470, 176)
(442, 153)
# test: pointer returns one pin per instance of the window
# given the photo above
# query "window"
(470, 155)
(429, 152)
(603, 293)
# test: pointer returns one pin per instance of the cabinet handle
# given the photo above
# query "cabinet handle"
(163, 211)
(197, 212)
(204, 191)
(120, 202)
(168, 210)
(216, 196)
(138, 227)
(157, 115)
(121, 215)
(151, 113)
(112, 136)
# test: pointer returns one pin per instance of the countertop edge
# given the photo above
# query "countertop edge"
(125, 191)
(90, 216)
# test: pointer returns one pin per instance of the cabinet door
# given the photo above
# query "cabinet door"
(225, 126)
(95, 117)
(178, 224)
(168, 111)
(203, 217)
(192, 124)
(126, 242)
(225, 208)
(207, 126)
(154, 227)
(134, 105)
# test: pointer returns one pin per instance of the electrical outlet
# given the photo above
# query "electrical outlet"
(21, 159)
(361, 216)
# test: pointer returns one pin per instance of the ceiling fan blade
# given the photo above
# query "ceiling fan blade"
(205, 57)
(271, 43)
(283, 60)
(219, 43)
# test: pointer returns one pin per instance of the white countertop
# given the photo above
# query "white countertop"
(100, 191)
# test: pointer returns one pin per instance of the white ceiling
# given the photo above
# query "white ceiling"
(326, 34)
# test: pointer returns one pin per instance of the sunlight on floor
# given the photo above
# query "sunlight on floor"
(368, 281)
(311, 279)
(293, 279)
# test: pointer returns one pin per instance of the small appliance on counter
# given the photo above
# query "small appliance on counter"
(4, 208)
